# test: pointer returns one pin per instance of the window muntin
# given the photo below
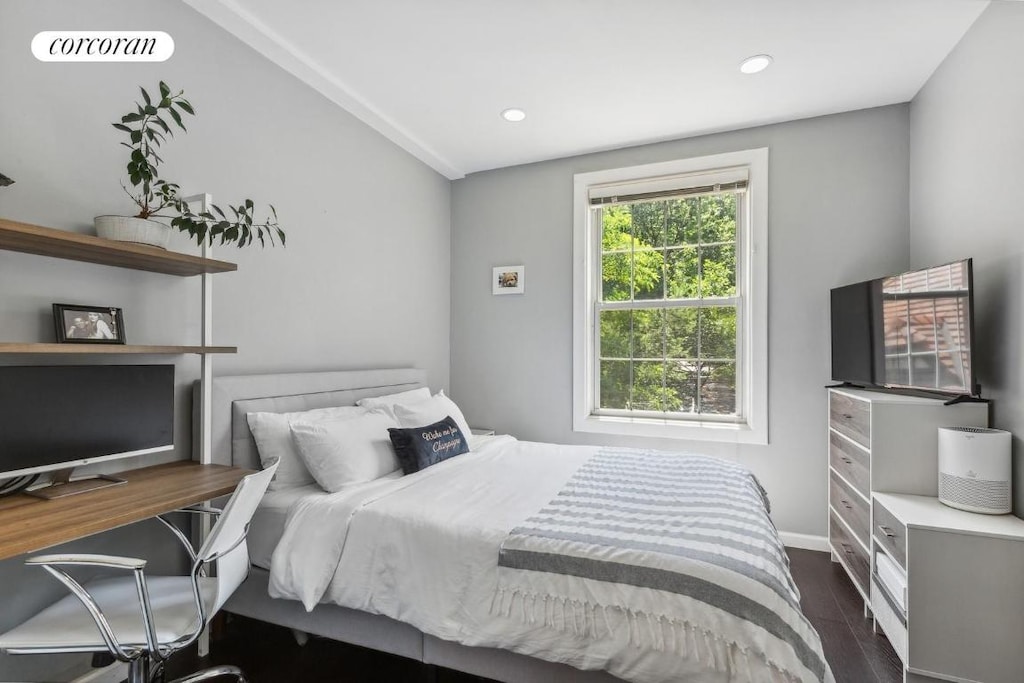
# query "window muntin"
(667, 338)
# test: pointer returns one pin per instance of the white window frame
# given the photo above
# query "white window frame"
(752, 285)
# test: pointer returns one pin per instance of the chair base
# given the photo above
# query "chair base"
(142, 670)
(213, 672)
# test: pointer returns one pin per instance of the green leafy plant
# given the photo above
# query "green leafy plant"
(147, 127)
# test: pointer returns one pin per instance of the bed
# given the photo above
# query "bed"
(469, 565)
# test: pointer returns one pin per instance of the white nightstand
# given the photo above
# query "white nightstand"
(964, 608)
(481, 431)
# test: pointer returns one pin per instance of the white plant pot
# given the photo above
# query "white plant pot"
(131, 229)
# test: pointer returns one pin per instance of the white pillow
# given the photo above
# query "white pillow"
(348, 451)
(433, 409)
(387, 403)
(272, 432)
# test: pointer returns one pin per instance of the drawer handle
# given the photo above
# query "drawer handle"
(846, 504)
(847, 416)
(847, 548)
(886, 530)
(846, 460)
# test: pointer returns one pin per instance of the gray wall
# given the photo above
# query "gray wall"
(837, 214)
(967, 143)
(363, 282)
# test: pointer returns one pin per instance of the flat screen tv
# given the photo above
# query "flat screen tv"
(59, 417)
(910, 331)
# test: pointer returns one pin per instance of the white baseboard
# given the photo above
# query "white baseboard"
(804, 541)
(115, 673)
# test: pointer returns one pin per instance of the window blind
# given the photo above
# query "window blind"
(668, 187)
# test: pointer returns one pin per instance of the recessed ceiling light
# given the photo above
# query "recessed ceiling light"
(755, 64)
(513, 114)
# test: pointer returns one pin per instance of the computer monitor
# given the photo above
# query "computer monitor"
(56, 418)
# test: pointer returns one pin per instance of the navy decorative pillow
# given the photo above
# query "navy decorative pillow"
(420, 447)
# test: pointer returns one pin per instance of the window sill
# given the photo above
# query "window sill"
(672, 429)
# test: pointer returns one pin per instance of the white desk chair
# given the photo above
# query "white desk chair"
(143, 620)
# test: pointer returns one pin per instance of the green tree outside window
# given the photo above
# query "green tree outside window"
(675, 358)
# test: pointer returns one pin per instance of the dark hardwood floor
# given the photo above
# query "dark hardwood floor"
(269, 654)
(836, 610)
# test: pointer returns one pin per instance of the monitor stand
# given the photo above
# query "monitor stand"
(61, 485)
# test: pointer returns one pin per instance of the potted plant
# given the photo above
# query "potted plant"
(147, 127)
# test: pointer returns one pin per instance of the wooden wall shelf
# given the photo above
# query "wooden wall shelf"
(73, 246)
(109, 349)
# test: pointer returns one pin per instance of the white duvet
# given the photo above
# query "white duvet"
(423, 549)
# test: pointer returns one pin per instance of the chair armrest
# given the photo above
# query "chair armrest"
(50, 564)
(111, 561)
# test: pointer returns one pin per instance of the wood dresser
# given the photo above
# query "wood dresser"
(881, 442)
(944, 585)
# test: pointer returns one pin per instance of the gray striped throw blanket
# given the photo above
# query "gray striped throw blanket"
(668, 551)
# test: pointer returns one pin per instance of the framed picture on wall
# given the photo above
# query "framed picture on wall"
(78, 324)
(508, 280)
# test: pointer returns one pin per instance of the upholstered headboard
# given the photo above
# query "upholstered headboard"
(234, 396)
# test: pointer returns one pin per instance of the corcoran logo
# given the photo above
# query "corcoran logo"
(102, 46)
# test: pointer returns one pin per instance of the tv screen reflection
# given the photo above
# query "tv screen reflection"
(925, 325)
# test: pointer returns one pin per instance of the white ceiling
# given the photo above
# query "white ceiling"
(433, 75)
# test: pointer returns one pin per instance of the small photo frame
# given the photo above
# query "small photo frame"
(78, 324)
(508, 280)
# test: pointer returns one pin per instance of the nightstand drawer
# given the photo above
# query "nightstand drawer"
(851, 507)
(850, 551)
(890, 533)
(850, 461)
(850, 417)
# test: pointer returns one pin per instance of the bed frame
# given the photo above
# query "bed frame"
(233, 444)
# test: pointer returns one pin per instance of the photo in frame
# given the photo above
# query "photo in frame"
(508, 280)
(79, 324)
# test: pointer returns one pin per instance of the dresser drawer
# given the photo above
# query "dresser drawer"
(852, 508)
(850, 551)
(891, 534)
(850, 461)
(850, 417)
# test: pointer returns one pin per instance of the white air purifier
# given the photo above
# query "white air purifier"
(975, 469)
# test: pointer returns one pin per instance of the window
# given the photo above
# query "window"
(670, 335)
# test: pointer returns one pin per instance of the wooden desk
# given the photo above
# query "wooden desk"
(28, 524)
